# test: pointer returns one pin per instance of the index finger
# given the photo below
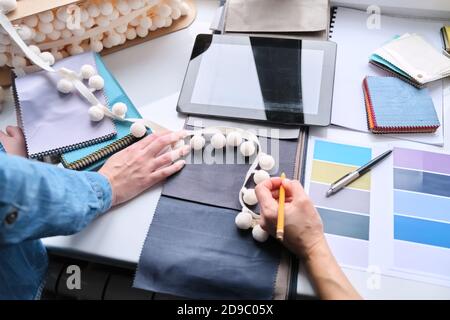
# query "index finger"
(163, 141)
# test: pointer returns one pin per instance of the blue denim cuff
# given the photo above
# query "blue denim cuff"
(102, 189)
(1, 148)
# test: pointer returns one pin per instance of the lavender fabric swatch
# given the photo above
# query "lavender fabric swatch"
(195, 251)
(54, 122)
(218, 184)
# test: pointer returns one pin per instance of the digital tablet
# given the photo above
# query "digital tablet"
(284, 81)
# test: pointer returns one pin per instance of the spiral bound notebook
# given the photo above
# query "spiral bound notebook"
(92, 157)
(394, 106)
(52, 122)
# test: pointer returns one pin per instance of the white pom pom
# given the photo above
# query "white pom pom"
(131, 34)
(184, 9)
(249, 197)
(244, 220)
(114, 15)
(96, 46)
(168, 22)
(78, 32)
(266, 162)
(7, 6)
(119, 109)
(259, 234)
(54, 35)
(197, 142)
(18, 62)
(61, 14)
(96, 82)
(96, 113)
(65, 86)
(87, 71)
(159, 22)
(234, 139)
(66, 34)
(247, 148)
(89, 23)
(45, 27)
(58, 55)
(35, 49)
(134, 22)
(138, 129)
(141, 32)
(106, 8)
(84, 15)
(260, 176)
(75, 49)
(163, 10)
(3, 59)
(218, 140)
(122, 28)
(93, 10)
(176, 13)
(46, 16)
(145, 22)
(136, 4)
(25, 32)
(48, 58)
(31, 21)
(123, 7)
(114, 38)
(102, 21)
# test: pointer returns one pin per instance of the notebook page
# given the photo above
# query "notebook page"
(355, 44)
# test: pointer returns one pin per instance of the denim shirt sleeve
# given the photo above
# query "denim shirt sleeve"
(48, 200)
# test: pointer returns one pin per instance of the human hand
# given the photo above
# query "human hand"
(13, 141)
(303, 229)
(143, 164)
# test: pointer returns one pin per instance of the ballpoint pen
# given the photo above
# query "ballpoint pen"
(352, 176)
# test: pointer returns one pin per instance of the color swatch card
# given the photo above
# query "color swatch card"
(421, 220)
(395, 220)
(345, 216)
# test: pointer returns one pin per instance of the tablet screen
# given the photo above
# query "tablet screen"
(253, 74)
(285, 81)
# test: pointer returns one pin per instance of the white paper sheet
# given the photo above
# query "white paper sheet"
(355, 45)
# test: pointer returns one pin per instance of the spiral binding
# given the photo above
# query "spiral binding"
(333, 12)
(101, 154)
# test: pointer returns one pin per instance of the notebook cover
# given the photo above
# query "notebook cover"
(53, 122)
(394, 106)
(92, 157)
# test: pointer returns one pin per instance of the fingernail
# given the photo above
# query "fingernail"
(181, 163)
(182, 134)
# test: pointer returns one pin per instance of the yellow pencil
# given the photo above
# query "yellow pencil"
(280, 221)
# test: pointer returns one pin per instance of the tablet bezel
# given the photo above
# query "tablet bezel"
(322, 118)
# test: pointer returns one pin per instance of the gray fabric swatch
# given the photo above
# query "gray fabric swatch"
(219, 184)
(53, 122)
(196, 251)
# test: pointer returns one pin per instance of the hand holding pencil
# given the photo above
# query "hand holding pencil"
(300, 224)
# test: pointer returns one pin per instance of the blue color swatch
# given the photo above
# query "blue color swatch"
(341, 153)
(422, 231)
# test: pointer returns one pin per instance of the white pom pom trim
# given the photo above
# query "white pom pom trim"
(138, 129)
(244, 220)
(119, 109)
(259, 234)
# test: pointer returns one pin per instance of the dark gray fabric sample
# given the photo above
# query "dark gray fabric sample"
(196, 251)
(219, 184)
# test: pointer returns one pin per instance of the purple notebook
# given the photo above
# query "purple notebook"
(53, 122)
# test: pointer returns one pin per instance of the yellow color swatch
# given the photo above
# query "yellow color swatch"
(326, 172)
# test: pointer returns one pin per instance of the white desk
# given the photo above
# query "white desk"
(152, 75)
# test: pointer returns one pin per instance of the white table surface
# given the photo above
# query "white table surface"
(152, 74)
